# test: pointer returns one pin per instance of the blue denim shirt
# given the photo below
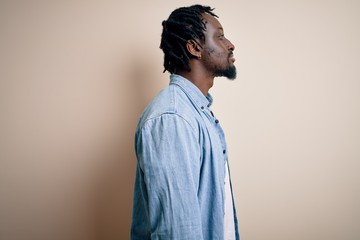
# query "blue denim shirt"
(181, 153)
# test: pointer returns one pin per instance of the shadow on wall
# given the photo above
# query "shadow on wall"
(114, 184)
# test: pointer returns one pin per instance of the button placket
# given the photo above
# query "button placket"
(219, 132)
(212, 114)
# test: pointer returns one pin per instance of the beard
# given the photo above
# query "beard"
(229, 73)
(220, 71)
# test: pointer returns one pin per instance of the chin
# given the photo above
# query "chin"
(229, 73)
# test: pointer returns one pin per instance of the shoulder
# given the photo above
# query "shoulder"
(170, 103)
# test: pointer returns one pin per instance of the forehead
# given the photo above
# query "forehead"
(211, 22)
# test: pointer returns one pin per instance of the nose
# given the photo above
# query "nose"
(231, 46)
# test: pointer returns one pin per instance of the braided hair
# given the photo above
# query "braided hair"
(183, 24)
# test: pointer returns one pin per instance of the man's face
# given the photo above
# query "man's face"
(217, 53)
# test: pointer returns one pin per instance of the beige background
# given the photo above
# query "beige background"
(75, 76)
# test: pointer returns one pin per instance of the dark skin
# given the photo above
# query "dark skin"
(213, 53)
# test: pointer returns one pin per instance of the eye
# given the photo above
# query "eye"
(221, 36)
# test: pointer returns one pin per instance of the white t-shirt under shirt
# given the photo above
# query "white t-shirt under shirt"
(229, 225)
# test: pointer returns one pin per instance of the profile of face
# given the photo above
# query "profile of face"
(217, 50)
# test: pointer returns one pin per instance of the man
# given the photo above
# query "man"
(182, 187)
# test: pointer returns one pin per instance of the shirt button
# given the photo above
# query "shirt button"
(202, 107)
(224, 151)
(216, 121)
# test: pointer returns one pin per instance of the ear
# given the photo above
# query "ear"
(194, 48)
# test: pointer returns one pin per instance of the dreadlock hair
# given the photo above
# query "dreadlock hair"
(183, 24)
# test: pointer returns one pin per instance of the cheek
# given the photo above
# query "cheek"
(215, 53)
(221, 51)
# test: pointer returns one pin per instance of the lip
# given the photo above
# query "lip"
(232, 59)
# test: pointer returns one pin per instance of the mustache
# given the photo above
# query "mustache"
(231, 54)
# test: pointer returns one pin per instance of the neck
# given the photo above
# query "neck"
(201, 79)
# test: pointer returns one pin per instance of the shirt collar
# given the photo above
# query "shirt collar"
(192, 91)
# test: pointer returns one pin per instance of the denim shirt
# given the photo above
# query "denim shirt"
(181, 153)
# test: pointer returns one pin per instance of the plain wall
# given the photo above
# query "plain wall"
(76, 75)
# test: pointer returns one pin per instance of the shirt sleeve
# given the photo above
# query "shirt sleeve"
(168, 154)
